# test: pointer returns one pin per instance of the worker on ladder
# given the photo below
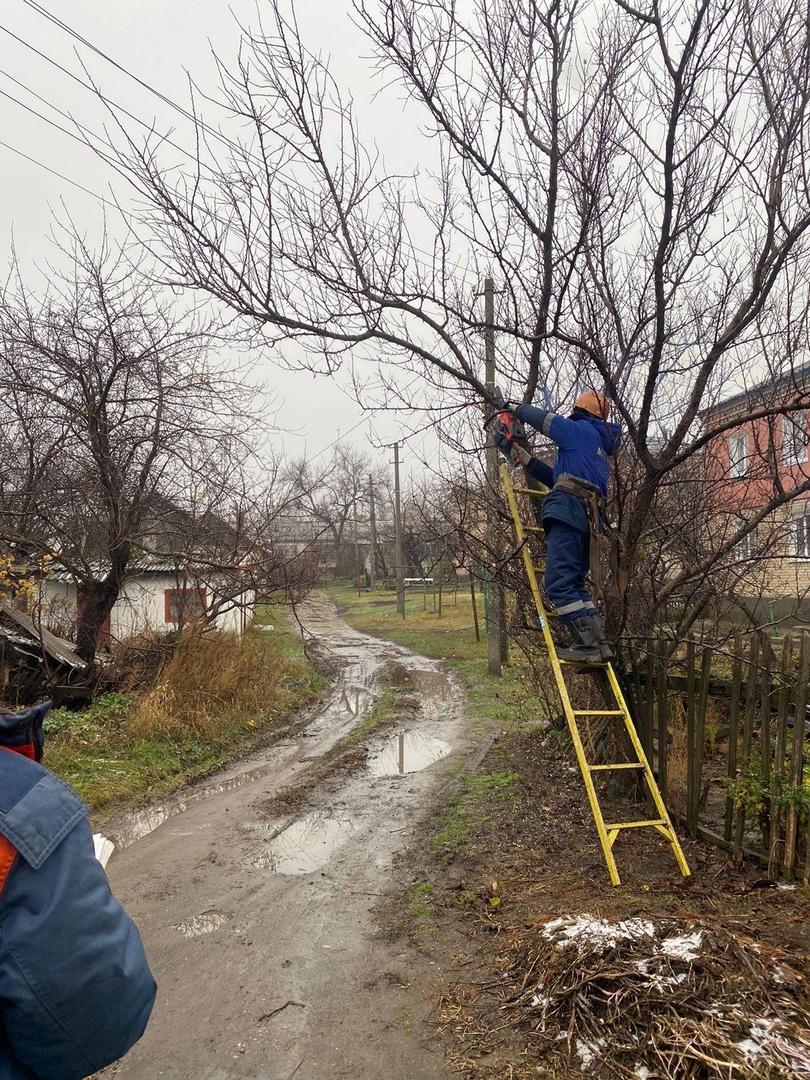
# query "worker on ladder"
(573, 512)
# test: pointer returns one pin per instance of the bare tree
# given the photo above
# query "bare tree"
(634, 175)
(111, 412)
(334, 494)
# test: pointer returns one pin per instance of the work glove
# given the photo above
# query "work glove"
(521, 456)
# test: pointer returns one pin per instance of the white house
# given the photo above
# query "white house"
(155, 598)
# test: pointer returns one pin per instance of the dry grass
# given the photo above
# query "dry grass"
(215, 679)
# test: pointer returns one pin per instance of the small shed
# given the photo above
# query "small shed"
(156, 597)
(32, 658)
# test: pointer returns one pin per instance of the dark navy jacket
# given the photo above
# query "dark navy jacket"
(585, 444)
(75, 988)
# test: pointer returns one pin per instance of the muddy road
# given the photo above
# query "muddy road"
(260, 926)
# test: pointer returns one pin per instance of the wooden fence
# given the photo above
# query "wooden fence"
(726, 734)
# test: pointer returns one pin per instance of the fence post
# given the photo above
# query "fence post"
(691, 742)
(796, 756)
(649, 694)
(782, 704)
(734, 732)
(663, 671)
(700, 735)
(765, 737)
(748, 730)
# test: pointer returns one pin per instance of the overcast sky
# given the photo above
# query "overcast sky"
(158, 41)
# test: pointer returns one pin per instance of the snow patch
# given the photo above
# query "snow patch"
(585, 930)
(588, 1052)
(685, 947)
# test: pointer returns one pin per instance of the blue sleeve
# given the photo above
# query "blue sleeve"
(558, 428)
(540, 471)
(75, 988)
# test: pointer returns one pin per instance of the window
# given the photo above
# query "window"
(799, 526)
(794, 438)
(184, 605)
(746, 549)
(738, 454)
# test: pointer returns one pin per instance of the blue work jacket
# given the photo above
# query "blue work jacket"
(585, 445)
(75, 988)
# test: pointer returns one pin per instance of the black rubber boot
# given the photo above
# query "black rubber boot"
(585, 648)
(605, 648)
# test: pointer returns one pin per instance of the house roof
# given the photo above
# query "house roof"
(797, 379)
(142, 568)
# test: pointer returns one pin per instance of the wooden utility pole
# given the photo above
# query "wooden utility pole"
(398, 537)
(494, 630)
(373, 523)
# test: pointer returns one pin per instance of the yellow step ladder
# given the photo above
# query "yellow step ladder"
(607, 832)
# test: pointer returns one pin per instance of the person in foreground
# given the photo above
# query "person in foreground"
(75, 987)
(572, 513)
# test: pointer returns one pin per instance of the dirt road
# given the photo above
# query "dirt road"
(260, 926)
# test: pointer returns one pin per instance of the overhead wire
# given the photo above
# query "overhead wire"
(113, 105)
(55, 172)
(198, 122)
(85, 86)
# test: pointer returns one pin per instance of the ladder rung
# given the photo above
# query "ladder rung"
(521, 513)
(598, 712)
(618, 765)
(634, 825)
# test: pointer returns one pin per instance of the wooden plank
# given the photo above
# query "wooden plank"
(767, 692)
(662, 703)
(780, 735)
(734, 732)
(748, 731)
(700, 727)
(649, 693)
(53, 646)
(691, 797)
(796, 756)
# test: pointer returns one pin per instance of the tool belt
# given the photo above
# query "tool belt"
(595, 503)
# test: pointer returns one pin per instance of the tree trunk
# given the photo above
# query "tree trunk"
(99, 597)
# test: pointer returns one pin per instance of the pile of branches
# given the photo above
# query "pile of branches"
(653, 999)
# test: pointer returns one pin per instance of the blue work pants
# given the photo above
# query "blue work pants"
(567, 563)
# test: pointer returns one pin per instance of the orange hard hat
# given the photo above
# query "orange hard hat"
(594, 403)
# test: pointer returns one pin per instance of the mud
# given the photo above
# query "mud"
(244, 912)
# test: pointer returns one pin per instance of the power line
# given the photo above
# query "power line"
(197, 121)
(85, 86)
(39, 115)
(61, 176)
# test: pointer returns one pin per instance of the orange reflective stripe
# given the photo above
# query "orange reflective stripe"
(7, 855)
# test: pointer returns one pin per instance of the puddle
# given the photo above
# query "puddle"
(306, 845)
(408, 752)
(435, 685)
(139, 824)
(354, 701)
(204, 923)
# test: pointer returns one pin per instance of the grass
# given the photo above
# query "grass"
(478, 802)
(420, 897)
(215, 699)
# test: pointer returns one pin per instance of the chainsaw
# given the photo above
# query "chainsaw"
(506, 430)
